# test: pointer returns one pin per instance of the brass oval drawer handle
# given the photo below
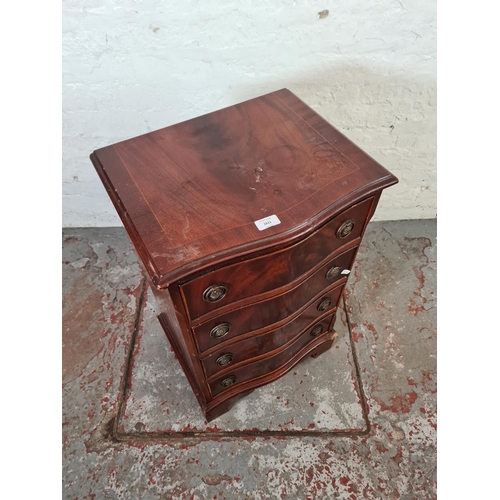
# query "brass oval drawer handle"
(324, 304)
(316, 330)
(345, 229)
(229, 381)
(333, 271)
(214, 293)
(219, 331)
(225, 359)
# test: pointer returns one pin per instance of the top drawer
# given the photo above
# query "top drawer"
(261, 274)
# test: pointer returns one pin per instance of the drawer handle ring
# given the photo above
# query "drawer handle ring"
(214, 293)
(333, 271)
(316, 330)
(345, 229)
(219, 331)
(324, 304)
(229, 381)
(225, 359)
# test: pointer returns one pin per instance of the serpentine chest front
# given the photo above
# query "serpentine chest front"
(248, 220)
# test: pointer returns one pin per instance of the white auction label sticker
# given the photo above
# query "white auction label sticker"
(266, 222)
(345, 271)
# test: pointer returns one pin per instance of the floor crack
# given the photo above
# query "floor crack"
(122, 391)
(364, 401)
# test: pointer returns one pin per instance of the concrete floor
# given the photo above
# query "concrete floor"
(357, 422)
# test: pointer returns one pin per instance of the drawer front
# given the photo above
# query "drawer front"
(256, 369)
(252, 347)
(267, 312)
(261, 274)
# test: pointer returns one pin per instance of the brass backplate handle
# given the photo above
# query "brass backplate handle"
(225, 359)
(214, 293)
(316, 330)
(228, 381)
(345, 229)
(324, 304)
(333, 272)
(220, 331)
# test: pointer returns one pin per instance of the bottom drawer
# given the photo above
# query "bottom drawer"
(261, 367)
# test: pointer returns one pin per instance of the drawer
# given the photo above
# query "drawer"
(276, 309)
(261, 274)
(261, 367)
(245, 350)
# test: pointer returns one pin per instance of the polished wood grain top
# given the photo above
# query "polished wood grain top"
(189, 194)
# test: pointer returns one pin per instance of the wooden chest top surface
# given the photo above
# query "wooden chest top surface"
(189, 194)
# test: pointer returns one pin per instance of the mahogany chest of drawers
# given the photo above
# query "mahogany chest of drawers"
(248, 220)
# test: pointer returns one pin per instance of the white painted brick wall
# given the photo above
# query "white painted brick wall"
(369, 68)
